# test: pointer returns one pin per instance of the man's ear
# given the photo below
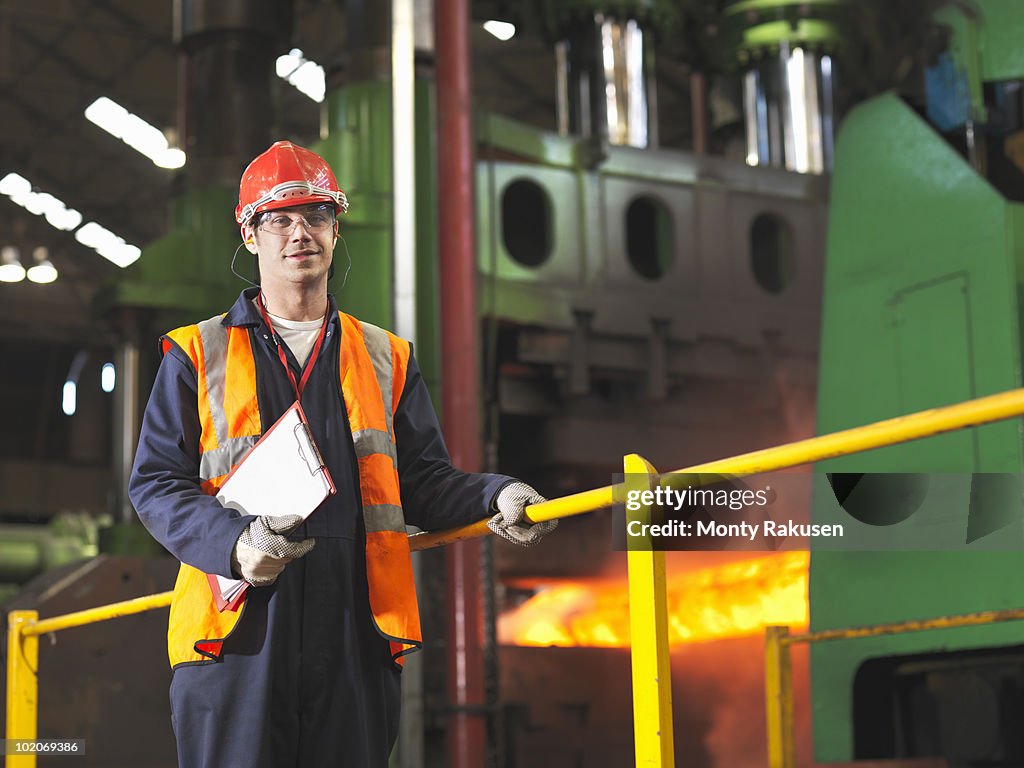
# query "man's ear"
(249, 238)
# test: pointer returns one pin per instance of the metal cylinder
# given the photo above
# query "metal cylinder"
(229, 48)
(785, 48)
(605, 77)
(788, 110)
(126, 425)
(460, 369)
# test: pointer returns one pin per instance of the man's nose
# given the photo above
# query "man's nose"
(300, 230)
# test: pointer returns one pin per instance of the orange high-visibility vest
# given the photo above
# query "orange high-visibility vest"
(372, 367)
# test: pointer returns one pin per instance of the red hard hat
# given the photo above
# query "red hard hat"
(283, 176)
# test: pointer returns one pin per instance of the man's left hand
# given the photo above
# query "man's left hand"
(511, 505)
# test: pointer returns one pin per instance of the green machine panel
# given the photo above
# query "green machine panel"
(921, 310)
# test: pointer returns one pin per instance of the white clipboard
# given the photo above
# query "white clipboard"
(283, 474)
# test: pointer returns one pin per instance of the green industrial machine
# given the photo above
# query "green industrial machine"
(359, 146)
(922, 308)
(184, 276)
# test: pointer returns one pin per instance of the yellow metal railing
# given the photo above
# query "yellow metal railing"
(778, 678)
(902, 429)
(23, 631)
(652, 702)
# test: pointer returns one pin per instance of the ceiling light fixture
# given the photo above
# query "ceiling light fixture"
(58, 215)
(306, 75)
(43, 270)
(502, 30)
(135, 132)
(107, 244)
(69, 395)
(69, 398)
(11, 270)
(108, 377)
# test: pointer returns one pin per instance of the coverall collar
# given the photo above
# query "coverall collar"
(244, 313)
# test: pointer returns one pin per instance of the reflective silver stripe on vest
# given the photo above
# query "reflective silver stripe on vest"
(379, 347)
(371, 441)
(215, 359)
(383, 517)
(219, 461)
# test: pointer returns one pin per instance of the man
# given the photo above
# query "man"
(307, 670)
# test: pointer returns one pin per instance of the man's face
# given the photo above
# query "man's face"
(292, 249)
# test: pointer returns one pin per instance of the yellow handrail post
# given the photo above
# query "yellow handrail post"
(22, 684)
(778, 689)
(648, 631)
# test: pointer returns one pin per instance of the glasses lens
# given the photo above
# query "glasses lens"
(283, 223)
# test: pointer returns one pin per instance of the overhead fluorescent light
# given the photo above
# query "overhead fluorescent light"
(11, 273)
(42, 273)
(58, 215)
(11, 270)
(69, 398)
(135, 132)
(108, 377)
(43, 270)
(306, 75)
(502, 30)
(107, 244)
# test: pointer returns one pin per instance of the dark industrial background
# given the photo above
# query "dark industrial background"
(699, 228)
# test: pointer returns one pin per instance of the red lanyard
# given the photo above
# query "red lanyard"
(301, 384)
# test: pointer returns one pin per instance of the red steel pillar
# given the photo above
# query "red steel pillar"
(460, 369)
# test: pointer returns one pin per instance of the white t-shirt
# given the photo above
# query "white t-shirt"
(299, 335)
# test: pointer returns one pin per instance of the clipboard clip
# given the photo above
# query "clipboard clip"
(314, 461)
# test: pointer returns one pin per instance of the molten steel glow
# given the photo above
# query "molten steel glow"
(731, 600)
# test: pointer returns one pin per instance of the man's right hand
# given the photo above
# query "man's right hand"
(262, 551)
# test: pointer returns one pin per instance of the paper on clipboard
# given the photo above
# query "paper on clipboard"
(283, 474)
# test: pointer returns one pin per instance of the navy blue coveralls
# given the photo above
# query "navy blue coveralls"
(305, 679)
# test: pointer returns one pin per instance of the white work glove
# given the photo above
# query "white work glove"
(511, 504)
(262, 551)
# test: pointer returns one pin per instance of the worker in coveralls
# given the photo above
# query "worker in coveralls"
(307, 670)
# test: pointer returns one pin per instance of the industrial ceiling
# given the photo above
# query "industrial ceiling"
(55, 60)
